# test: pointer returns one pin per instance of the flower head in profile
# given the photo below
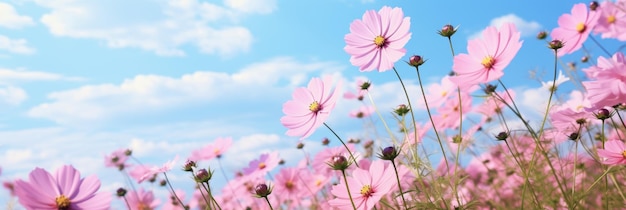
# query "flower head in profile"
(117, 159)
(213, 150)
(487, 57)
(63, 190)
(367, 187)
(607, 86)
(156, 170)
(310, 107)
(574, 28)
(614, 152)
(377, 41)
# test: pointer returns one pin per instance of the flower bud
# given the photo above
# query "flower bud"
(555, 44)
(457, 139)
(189, 165)
(573, 136)
(365, 85)
(542, 35)
(584, 59)
(325, 141)
(389, 153)
(489, 89)
(401, 110)
(593, 5)
(300, 145)
(262, 190)
(603, 114)
(203, 175)
(162, 183)
(339, 162)
(128, 152)
(447, 31)
(416, 61)
(121, 192)
(502, 136)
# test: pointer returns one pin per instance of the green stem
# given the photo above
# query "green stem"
(381, 117)
(399, 185)
(419, 78)
(344, 144)
(172, 188)
(268, 203)
(406, 94)
(345, 180)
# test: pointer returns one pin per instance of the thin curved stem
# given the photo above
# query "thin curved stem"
(344, 144)
(172, 188)
(419, 78)
(345, 180)
(393, 163)
(268, 203)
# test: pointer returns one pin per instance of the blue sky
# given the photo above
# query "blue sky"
(79, 79)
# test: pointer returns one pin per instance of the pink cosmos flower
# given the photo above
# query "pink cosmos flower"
(612, 20)
(438, 93)
(157, 170)
(215, 149)
(449, 115)
(377, 41)
(142, 200)
(288, 183)
(310, 107)
(363, 111)
(360, 93)
(574, 28)
(63, 190)
(487, 57)
(614, 152)
(367, 187)
(261, 166)
(116, 159)
(608, 84)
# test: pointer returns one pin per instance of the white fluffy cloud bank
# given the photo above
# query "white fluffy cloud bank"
(162, 27)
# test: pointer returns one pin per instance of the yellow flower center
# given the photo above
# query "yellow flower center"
(488, 62)
(581, 27)
(289, 185)
(63, 202)
(624, 154)
(380, 41)
(262, 165)
(315, 107)
(142, 206)
(611, 19)
(366, 191)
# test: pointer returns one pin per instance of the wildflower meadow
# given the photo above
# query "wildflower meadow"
(463, 141)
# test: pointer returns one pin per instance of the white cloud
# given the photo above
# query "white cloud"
(526, 28)
(10, 19)
(252, 6)
(146, 93)
(19, 46)
(163, 27)
(8, 76)
(12, 95)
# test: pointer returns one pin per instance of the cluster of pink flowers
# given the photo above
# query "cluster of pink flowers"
(511, 165)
